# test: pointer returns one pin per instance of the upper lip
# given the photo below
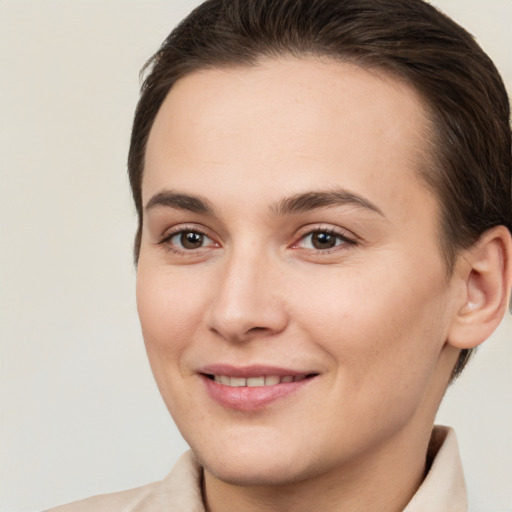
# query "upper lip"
(252, 371)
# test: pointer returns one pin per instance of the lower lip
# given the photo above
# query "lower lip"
(250, 398)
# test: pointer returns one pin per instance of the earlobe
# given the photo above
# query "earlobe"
(487, 276)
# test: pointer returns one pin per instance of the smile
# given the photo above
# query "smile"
(257, 381)
(252, 388)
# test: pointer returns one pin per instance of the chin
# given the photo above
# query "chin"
(263, 473)
(255, 466)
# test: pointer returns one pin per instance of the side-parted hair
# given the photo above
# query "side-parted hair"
(469, 164)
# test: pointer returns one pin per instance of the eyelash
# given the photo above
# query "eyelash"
(341, 240)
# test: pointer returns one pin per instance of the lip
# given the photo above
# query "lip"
(252, 398)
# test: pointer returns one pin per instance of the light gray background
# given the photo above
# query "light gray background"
(79, 412)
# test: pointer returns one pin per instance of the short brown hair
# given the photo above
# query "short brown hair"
(463, 92)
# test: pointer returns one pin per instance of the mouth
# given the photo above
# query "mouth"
(252, 388)
(257, 381)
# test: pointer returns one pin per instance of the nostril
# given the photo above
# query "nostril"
(257, 329)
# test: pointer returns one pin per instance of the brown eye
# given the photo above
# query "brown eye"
(191, 240)
(323, 240)
(188, 240)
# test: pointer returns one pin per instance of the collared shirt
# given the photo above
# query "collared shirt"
(443, 489)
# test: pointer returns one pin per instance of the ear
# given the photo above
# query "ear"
(486, 272)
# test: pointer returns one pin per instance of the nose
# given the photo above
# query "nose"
(248, 300)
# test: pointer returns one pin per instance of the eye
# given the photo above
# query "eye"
(187, 240)
(324, 239)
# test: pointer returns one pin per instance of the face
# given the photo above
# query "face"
(292, 294)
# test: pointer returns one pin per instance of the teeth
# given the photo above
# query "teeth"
(255, 381)
(268, 380)
(238, 382)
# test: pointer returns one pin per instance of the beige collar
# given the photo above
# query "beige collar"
(443, 489)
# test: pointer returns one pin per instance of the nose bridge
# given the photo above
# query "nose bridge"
(247, 301)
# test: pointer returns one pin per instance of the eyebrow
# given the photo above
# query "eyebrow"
(311, 200)
(297, 203)
(171, 199)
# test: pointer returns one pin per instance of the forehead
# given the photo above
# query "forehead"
(288, 123)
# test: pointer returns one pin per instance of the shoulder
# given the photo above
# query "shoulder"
(180, 490)
(110, 502)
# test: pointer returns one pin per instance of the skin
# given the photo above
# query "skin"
(370, 316)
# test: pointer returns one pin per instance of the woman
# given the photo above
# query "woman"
(323, 191)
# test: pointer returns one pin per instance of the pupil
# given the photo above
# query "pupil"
(323, 241)
(191, 240)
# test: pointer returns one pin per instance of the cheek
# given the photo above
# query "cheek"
(377, 327)
(169, 315)
(169, 312)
